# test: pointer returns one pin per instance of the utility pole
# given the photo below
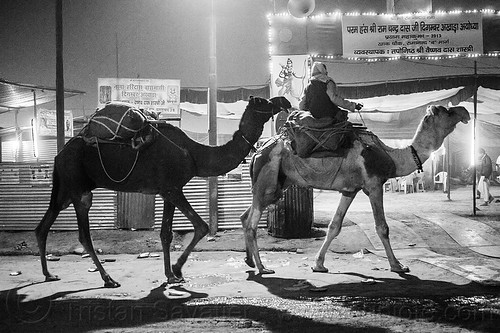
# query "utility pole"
(59, 77)
(212, 121)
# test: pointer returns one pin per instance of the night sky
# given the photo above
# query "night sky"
(160, 39)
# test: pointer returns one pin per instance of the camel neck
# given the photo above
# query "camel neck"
(217, 160)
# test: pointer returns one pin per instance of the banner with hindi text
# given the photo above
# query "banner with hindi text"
(155, 95)
(431, 34)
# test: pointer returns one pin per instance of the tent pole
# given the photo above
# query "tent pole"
(212, 122)
(474, 148)
(59, 77)
(448, 177)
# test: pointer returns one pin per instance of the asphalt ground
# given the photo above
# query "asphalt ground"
(452, 285)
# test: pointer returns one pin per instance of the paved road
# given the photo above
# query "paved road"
(453, 283)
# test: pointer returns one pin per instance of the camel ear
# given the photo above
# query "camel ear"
(431, 109)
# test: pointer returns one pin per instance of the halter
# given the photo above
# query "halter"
(417, 160)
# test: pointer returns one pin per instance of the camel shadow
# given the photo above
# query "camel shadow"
(409, 297)
(164, 305)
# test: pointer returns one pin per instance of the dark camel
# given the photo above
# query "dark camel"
(162, 168)
(366, 166)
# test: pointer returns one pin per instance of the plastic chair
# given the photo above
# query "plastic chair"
(406, 184)
(441, 178)
(420, 183)
(388, 186)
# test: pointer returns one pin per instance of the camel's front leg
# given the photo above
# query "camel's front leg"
(376, 200)
(333, 230)
(200, 229)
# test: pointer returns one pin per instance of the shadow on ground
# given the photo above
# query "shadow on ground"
(296, 308)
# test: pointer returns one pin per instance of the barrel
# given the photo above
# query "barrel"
(292, 216)
(135, 211)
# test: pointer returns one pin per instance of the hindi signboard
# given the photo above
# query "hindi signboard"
(155, 95)
(47, 123)
(431, 34)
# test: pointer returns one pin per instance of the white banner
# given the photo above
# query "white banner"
(155, 95)
(47, 123)
(412, 35)
(289, 76)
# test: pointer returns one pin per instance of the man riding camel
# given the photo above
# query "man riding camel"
(321, 98)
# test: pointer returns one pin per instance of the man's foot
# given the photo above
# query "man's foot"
(491, 199)
(484, 203)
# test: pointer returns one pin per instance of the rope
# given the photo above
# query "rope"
(106, 172)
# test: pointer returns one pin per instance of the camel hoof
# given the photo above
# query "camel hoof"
(249, 262)
(175, 280)
(401, 269)
(319, 269)
(266, 271)
(52, 278)
(176, 269)
(111, 284)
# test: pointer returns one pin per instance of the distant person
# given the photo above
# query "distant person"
(484, 172)
(498, 167)
(321, 97)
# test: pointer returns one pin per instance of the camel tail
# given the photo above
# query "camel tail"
(55, 187)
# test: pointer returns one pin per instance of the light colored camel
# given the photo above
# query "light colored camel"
(366, 166)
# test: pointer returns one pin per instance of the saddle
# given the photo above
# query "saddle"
(324, 137)
(120, 123)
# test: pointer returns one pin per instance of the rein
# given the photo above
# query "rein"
(252, 147)
(106, 172)
(416, 158)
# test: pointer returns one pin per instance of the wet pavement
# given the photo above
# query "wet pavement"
(453, 284)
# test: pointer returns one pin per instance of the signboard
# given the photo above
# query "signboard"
(289, 76)
(155, 95)
(47, 124)
(432, 34)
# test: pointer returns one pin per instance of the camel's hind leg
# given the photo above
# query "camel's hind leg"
(58, 202)
(266, 190)
(333, 230)
(200, 229)
(249, 258)
(82, 206)
(41, 232)
(376, 201)
(166, 240)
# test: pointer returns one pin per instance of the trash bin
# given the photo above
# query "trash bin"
(293, 214)
(135, 211)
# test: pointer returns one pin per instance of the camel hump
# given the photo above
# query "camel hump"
(117, 120)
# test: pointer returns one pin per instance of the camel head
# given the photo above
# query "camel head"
(258, 112)
(439, 122)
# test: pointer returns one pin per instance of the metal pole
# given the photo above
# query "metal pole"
(212, 121)
(59, 77)
(448, 176)
(474, 148)
(35, 126)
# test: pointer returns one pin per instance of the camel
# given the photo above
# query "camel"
(366, 166)
(164, 168)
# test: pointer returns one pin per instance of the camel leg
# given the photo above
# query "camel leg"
(200, 229)
(250, 229)
(333, 230)
(166, 240)
(244, 219)
(376, 201)
(41, 232)
(266, 190)
(82, 207)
